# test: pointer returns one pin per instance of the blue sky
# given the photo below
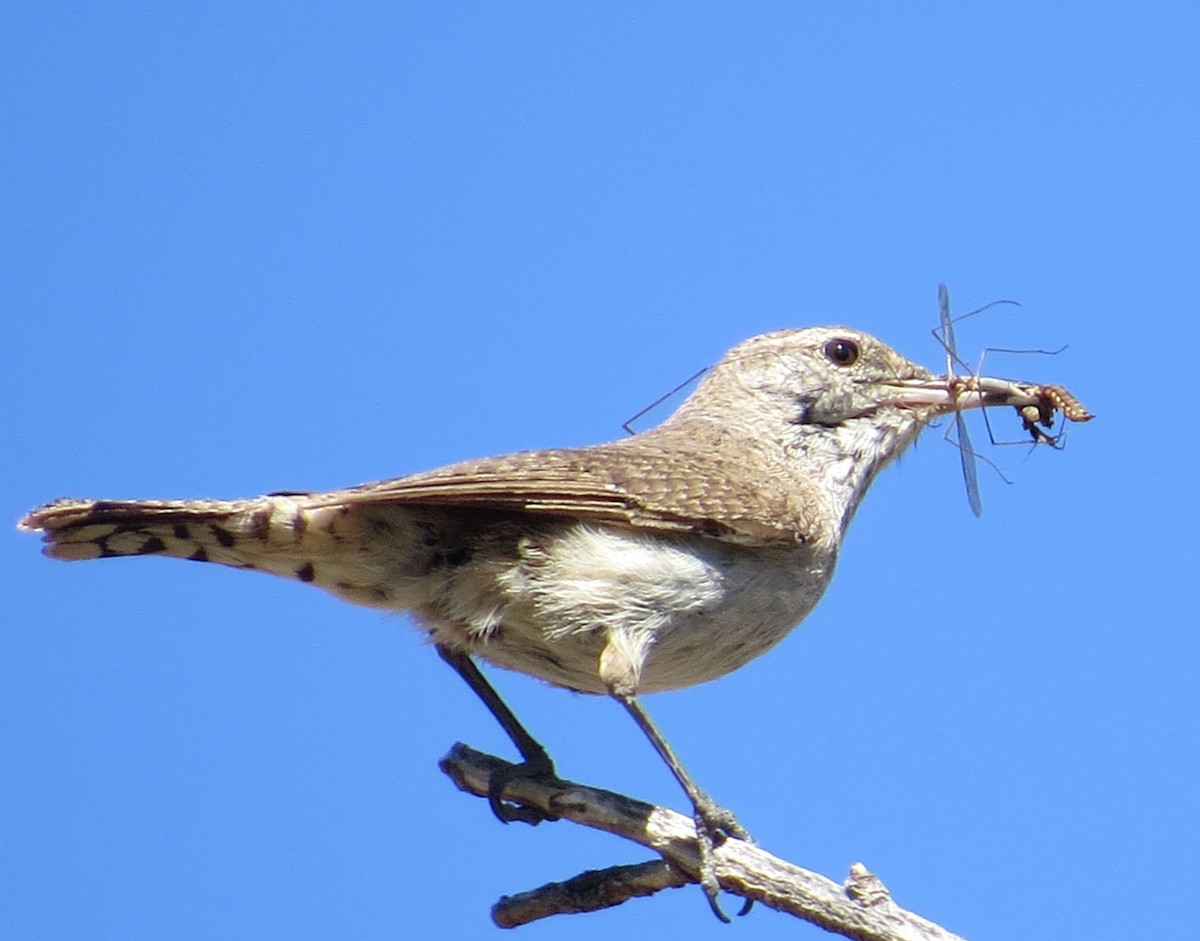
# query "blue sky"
(251, 247)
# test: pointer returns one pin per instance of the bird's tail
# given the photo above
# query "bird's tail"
(374, 557)
(273, 533)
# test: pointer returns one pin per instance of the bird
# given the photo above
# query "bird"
(649, 563)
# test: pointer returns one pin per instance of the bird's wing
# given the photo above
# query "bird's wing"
(666, 490)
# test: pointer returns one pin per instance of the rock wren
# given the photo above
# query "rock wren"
(649, 563)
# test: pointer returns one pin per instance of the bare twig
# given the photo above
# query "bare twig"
(861, 908)
(588, 892)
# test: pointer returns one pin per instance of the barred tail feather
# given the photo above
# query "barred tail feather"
(377, 558)
(241, 533)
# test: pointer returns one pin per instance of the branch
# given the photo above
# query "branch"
(860, 909)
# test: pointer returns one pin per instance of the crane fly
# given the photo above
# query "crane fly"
(1036, 404)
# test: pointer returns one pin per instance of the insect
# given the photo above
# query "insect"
(965, 451)
(1040, 413)
(1059, 398)
(1036, 404)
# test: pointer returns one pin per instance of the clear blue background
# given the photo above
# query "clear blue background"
(252, 246)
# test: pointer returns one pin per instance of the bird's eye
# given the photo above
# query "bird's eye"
(842, 352)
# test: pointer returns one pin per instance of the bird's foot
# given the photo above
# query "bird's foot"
(537, 766)
(714, 825)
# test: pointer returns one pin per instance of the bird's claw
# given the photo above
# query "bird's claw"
(714, 825)
(535, 767)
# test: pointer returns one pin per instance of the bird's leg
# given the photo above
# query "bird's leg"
(535, 762)
(714, 823)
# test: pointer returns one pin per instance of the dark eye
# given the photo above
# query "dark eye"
(842, 352)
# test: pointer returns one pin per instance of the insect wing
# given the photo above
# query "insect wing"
(965, 452)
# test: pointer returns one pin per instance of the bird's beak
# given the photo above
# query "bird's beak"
(945, 394)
